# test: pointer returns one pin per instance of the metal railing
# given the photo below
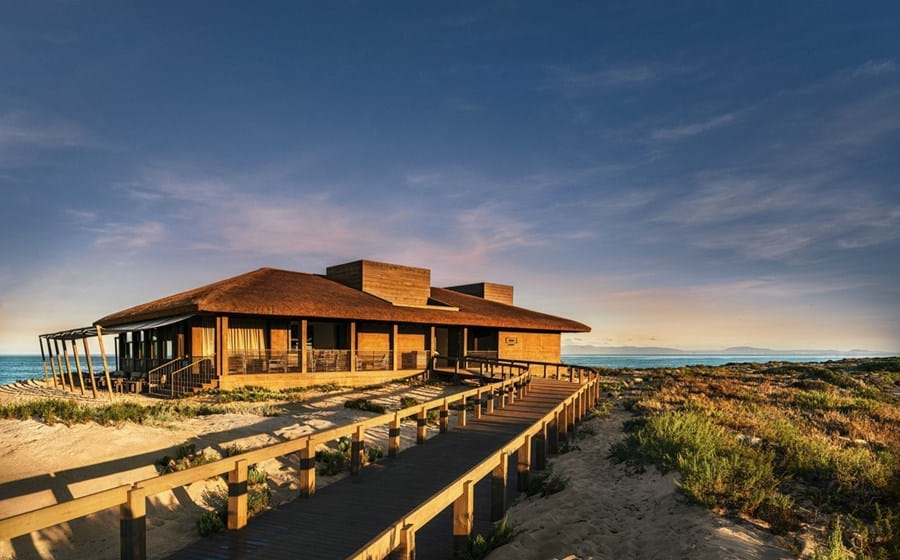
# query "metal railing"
(185, 381)
(164, 371)
(374, 360)
(264, 361)
(327, 360)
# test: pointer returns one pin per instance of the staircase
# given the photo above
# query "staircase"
(183, 377)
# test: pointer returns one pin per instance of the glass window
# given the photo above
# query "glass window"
(295, 335)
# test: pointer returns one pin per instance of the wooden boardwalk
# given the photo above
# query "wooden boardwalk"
(345, 515)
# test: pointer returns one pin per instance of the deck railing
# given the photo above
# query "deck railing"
(132, 498)
(327, 360)
(264, 361)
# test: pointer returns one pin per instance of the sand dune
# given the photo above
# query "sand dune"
(607, 512)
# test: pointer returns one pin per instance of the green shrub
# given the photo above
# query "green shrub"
(778, 510)
(366, 405)
(478, 547)
(546, 483)
(210, 522)
(332, 461)
(68, 411)
(256, 475)
(406, 402)
(834, 546)
(186, 457)
(258, 499)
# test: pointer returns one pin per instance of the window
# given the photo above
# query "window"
(295, 335)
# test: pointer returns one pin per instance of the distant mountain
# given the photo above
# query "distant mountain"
(732, 350)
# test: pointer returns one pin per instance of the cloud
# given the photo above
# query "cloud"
(22, 129)
(575, 83)
(138, 235)
(677, 133)
(875, 68)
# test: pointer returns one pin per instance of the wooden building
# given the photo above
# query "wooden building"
(362, 322)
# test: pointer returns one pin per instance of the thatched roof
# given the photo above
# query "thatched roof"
(284, 293)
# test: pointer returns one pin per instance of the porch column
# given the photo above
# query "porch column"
(395, 332)
(353, 346)
(222, 345)
(464, 346)
(432, 343)
(104, 362)
(304, 333)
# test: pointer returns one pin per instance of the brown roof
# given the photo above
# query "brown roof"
(269, 291)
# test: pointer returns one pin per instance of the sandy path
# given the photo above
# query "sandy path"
(607, 512)
(42, 465)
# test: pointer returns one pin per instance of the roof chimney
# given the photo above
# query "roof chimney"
(400, 285)
(501, 293)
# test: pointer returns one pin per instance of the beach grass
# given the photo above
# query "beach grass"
(784, 443)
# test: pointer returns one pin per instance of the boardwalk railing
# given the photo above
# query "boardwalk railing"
(543, 436)
(132, 498)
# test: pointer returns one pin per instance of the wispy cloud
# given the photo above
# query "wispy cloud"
(876, 68)
(573, 82)
(683, 131)
(138, 235)
(22, 129)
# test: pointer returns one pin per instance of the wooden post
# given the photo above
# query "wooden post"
(237, 495)
(408, 543)
(512, 392)
(464, 345)
(463, 510)
(103, 360)
(553, 435)
(540, 448)
(395, 346)
(304, 333)
(461, 416)
(421, 426)
(78, 366)
(59, 366)
(477, 404)
(490, 401)
(308, 469)
(356, 450)
(90, 366)
(570, 421)
(352, 345)
(221, 346)
(44, 363)
(502, 402)
(133, 526)
(498, 488)
(445, 417)
(545, 371)
(68, 365)
(394, 436)
(563, 417)
(523, 467)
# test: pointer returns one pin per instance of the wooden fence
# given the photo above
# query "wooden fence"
(132, 498)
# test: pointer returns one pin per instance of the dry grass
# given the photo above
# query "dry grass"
(790, 444)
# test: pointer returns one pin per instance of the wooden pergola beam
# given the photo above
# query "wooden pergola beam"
(77, 366)
(103, 359)
(90, 367)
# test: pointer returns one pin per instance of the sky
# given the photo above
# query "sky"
(698, 175)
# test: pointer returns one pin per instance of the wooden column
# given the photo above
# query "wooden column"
(490, 401)
(90, 366)
(68, 365)
(553, 435)
(352, 345)
(477, 403)
(498, 488)
(461, 416)
(304, 333)
(356, 450)
(563, 421)
(52, 371)
(133, 526)
(78, 366)
(540, 448)
(103, 360)
(407, 548)
(395, 346)
(464, 345)
(570, 420)
(394, 436)
(222, 345)
(523, 467)
(501, 402)
(308, 469)
(421, 426)
(445, 417)
(43, 359)
(463, 510)
(237, 495)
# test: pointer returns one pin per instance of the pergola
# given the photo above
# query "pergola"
(61, 368)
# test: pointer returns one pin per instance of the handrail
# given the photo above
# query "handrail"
(170, 362)
(27, 522)
(402, 533)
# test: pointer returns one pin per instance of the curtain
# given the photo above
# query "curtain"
(208, 341)
(246, 336)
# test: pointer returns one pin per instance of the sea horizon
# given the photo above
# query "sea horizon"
(21, 367)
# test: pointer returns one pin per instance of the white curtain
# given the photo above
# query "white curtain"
(247, 336)
(208, 341)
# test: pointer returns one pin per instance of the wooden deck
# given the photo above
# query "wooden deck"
(345, 515)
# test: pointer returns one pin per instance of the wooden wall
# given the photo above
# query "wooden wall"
(343, 378)
(502, 293)
(537, 346)
(373, 337)
(401, 285)
(412, 338)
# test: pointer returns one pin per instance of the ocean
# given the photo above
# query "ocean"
(13, 368)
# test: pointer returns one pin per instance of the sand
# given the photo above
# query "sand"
(42, 465)
(608, 512)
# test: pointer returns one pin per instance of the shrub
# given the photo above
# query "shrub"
(478, 547)
(186, 457)
(834, 547)
(406, 402)
(366, 405)
(332, 461)
(68, 411)
(210, 522)
(546, 483)
(258, 499)
(778, 510)
(256, 475)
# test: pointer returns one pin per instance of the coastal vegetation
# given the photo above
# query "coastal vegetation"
(68, 411)
(802, 447)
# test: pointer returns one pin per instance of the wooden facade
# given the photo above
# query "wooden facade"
(361, 323)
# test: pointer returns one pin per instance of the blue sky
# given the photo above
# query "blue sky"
(694, 176)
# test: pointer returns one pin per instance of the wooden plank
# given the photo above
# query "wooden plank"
(78, 366)
(498, 488)
(133, 530)
(103, 360)
(237, 495)
(30, 521)
(90, 366)
(463, 512)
